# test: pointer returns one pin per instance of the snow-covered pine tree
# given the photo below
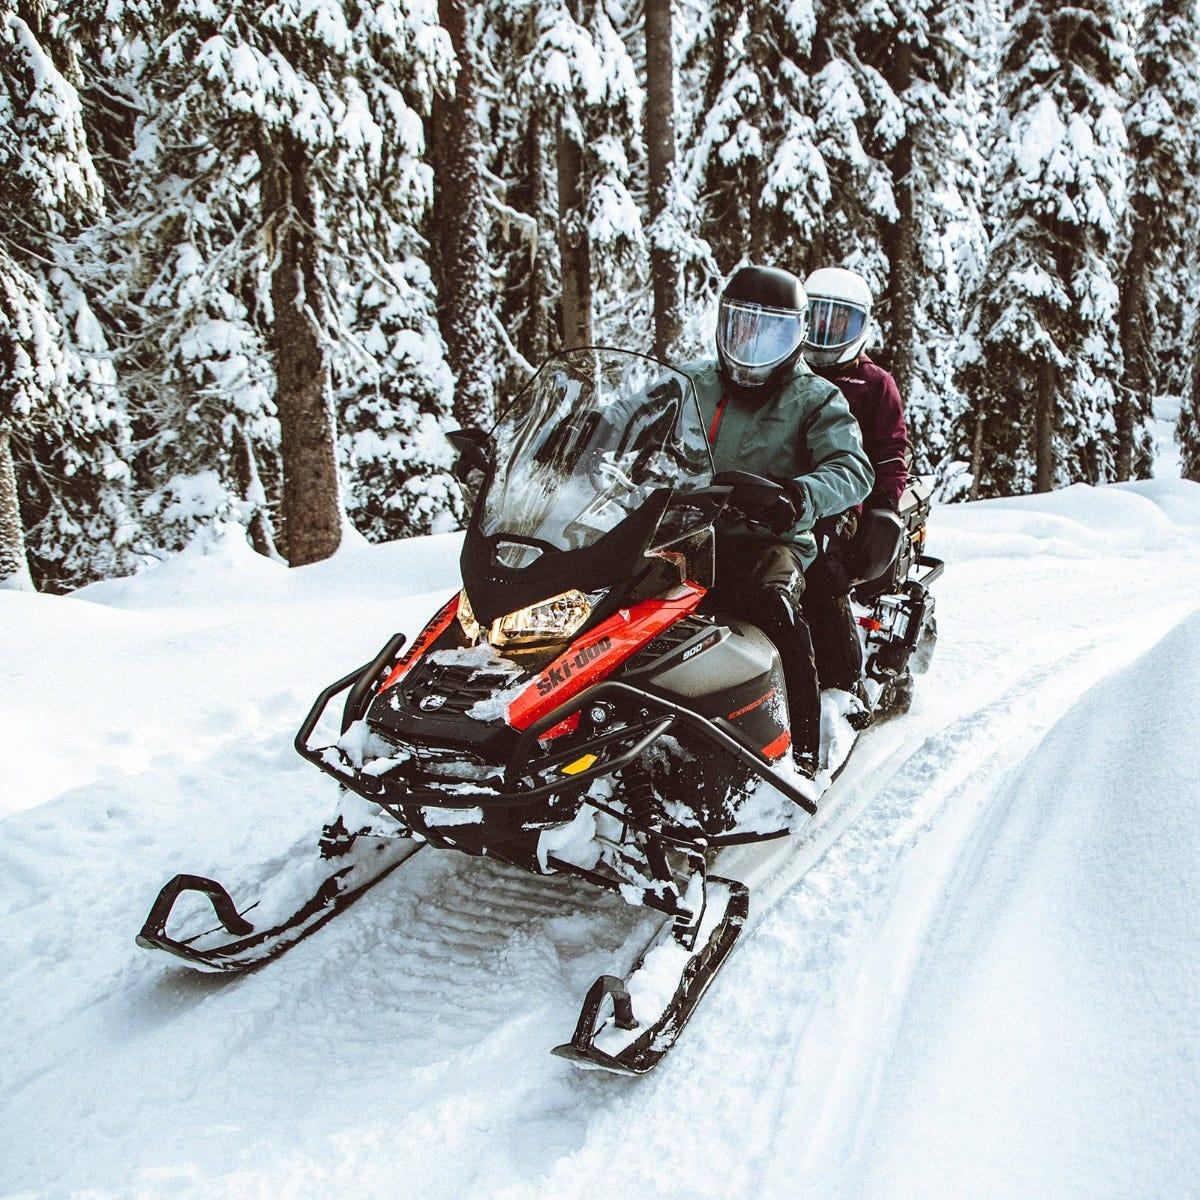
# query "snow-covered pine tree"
(459, 227)
(1044, 361)
(519, 191)
(580, 77)
(754, 166)
(314, 104)
(394, 394)
(857, 120)
(1163, 125)
(197, 367)
(918, 62)
(63, 431)
(397, 397)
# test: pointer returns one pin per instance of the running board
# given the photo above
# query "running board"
(608, 1035)
(248, 947)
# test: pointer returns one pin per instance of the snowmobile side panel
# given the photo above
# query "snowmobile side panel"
(249, 947)
(640, 1053)
(425, 639)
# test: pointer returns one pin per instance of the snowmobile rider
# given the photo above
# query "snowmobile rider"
(768, 414)
(839, 327)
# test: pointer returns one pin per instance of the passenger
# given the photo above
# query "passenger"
(840, 304)
(839, 327)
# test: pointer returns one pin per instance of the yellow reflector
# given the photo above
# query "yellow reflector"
(580, 764)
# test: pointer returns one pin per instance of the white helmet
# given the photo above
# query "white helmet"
(839, 316)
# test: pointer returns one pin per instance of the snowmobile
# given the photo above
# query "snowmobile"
(578, 708)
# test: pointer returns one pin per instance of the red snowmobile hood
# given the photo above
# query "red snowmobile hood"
(588, 659)
(598, 653)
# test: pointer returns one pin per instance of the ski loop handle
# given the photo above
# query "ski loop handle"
(155, 928)
(606, 986)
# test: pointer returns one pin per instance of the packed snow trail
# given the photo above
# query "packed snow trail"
(986, 950)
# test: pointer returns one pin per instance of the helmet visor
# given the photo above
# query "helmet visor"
(835, 323)
(752, 336)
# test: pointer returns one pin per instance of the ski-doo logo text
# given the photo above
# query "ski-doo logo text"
(558, 674)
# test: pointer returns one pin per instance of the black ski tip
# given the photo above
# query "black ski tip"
(591, 1059)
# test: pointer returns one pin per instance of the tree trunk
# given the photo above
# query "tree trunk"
(14, 567)
(312, 509)
(1044, 422)
(1187, 432)
(901, 243)
(262, 536)
(460, 252)
(574, 247)
(1134, 396)
(977, 458)
(660, 155)
(539, 333)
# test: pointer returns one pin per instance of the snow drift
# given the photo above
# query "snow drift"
(974, 976)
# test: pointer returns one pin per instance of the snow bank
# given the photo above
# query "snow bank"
(1048, 1044)
(983, 951)
(1077, 522)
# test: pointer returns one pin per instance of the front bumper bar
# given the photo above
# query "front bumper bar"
(613, 750)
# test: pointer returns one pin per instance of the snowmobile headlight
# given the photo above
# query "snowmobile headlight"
(466, 618)
(553, 620)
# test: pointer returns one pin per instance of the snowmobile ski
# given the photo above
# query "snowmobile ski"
(244, 946)
(609, 1035)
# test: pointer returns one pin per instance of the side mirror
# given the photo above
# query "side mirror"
(474, 451)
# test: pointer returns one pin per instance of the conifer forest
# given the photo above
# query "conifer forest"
(257, 257)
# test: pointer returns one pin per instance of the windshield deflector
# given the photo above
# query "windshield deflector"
(587, 442)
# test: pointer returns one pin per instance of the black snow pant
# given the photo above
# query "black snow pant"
(834, 634)
(765, 585)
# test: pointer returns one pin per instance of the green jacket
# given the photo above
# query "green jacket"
(804, 432)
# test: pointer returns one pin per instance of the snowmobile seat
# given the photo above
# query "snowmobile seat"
(889, 543)
(877, 545)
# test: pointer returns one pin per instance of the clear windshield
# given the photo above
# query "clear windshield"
(585, 444)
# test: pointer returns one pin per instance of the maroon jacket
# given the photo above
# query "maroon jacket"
(875, 402)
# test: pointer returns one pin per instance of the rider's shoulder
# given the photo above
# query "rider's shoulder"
(698, 368)
(705, 377)
(806, 386)
(871, 371)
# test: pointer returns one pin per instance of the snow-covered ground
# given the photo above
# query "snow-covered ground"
(976, 975)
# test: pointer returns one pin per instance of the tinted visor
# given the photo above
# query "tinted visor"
(752, 336)
(834, 323)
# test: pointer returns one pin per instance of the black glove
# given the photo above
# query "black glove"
(877, 501)
(788, 509)
(780, 515)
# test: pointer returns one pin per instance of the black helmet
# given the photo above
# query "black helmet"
(761, 322)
